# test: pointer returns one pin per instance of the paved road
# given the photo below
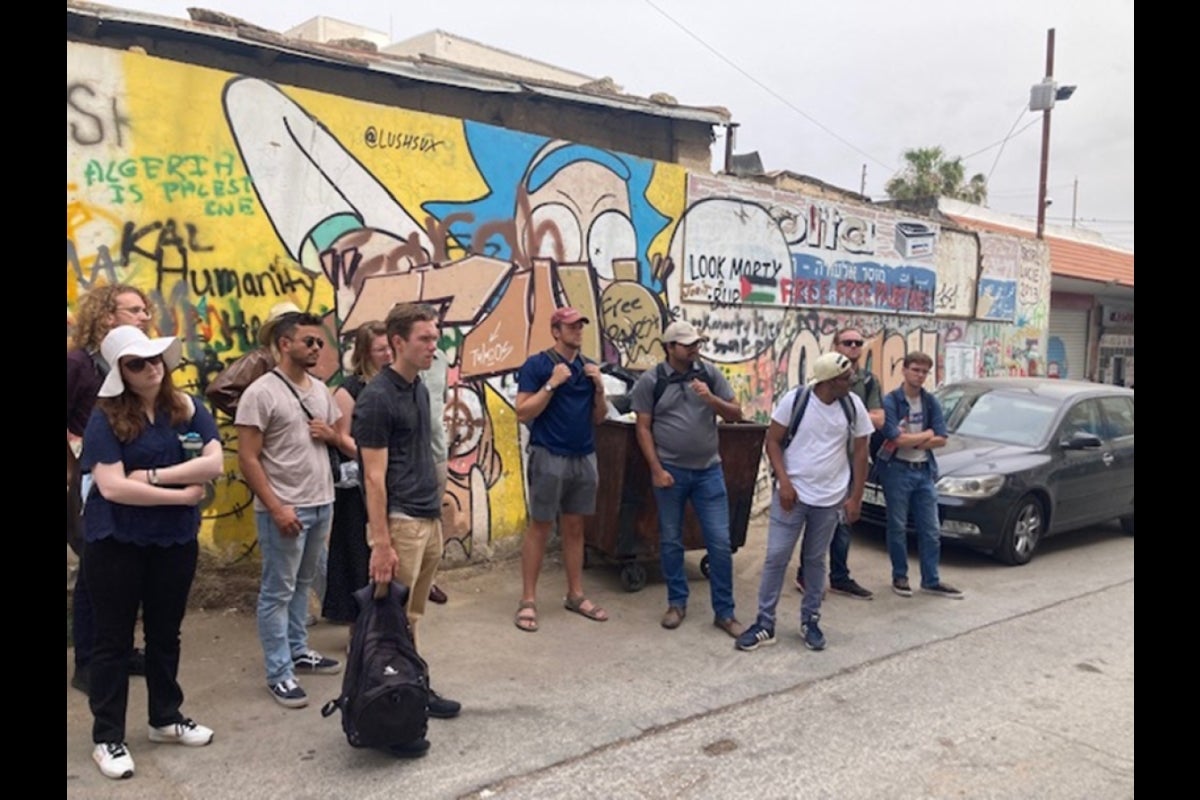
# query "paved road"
(1023, 689)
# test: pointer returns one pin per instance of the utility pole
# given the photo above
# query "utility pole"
(1074, 200)
(1045, 165)
(862, 184)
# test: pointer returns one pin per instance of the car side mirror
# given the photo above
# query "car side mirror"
(1080, 440)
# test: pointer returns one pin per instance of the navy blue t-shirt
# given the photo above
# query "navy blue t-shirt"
(158, 446)
(565, 426)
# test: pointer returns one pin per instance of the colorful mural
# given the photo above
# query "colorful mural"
(228, 193)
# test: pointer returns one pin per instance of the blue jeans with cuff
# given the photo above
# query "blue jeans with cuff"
(710, 500)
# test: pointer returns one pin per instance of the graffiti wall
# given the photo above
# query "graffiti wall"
(222, 195)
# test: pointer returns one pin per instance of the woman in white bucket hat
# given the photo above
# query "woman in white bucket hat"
(151, 450)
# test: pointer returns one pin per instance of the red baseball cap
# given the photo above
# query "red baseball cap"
(567, 315)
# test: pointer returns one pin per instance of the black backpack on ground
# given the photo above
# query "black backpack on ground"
(385, 689)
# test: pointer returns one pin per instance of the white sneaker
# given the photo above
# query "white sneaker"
(113, 759)
(185, 732)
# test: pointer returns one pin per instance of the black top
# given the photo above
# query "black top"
(393, 413)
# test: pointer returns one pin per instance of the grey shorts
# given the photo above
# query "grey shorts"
(565, 484)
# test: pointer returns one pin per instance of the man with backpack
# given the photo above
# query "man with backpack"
(849, 342)
(677, 404)
(391, 427)
(817, 446)
(560, 396)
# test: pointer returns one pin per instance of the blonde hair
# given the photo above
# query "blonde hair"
(93, 317)
(361, 363)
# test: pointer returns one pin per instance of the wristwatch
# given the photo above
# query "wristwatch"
(548, 388)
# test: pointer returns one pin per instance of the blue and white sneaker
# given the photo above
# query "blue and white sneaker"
(288, 693)
(754, 637)
(813, 638)
(313, 663)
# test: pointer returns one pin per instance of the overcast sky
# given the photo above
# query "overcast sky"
(822, 88)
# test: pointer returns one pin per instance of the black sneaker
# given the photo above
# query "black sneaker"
(411, 750)
(754, 637)
(850, 588)
(288, 693)
(441, 708)
(943, 590)
(900, 586)
(813, 638)
(314, 663)
(137, 662)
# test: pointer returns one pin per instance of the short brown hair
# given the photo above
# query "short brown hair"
(403, 316)
(917, 357)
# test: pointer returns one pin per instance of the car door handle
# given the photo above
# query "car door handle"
(1108, 459)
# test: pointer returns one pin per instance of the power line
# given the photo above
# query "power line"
(767, 89)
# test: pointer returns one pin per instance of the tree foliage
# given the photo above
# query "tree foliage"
(929, 174)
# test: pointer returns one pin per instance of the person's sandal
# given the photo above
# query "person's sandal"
(591, 611)
(526, 621)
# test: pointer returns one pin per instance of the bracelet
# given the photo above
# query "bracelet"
(152, 476)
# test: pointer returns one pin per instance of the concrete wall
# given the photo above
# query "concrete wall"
(221, 194)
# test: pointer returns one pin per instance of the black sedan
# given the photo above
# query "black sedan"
(1028, 458)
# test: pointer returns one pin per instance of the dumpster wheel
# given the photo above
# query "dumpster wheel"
(633, 576)
(704, 567)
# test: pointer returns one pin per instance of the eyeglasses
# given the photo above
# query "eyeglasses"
(853, 342)
(136, 311)
(136, 365)
(313, 341)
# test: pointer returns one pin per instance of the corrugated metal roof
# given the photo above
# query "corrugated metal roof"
(416, 69)
(1070, 258)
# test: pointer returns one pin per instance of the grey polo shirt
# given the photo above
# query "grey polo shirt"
(393, 413)
(683, 426)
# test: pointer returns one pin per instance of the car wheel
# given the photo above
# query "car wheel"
(1024, 530)
(1127, 524)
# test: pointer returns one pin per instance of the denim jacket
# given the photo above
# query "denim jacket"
(896, 408)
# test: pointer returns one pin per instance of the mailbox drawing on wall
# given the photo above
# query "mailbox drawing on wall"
(914, 239)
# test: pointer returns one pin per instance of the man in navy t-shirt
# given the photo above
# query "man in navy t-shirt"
(560, 396)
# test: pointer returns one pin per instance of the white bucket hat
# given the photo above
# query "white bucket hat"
(128, 340)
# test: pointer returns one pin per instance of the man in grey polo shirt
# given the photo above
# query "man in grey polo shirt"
(677, 404)
(391, 427)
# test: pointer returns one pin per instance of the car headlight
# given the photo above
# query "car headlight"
(973, 486)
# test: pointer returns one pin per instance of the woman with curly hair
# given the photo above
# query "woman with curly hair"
(100, 310)
(151, 450)
(349, 554)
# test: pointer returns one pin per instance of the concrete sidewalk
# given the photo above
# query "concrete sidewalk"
(536, 701)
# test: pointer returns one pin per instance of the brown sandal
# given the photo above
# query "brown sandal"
(524, 621)
(584, 607)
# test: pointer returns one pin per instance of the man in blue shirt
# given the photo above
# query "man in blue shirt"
(560, 396)
(913, 428)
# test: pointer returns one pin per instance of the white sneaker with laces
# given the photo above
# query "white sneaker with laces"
(113, 759)
(186, 732)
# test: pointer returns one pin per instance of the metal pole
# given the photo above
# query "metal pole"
(862, 184)
(1041, 209)
(1074, 200)
(730, 127)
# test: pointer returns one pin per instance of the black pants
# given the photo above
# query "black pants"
(120, 577)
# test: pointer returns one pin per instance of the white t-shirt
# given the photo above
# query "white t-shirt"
(816, 460)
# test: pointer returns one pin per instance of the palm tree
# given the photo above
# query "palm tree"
(928, 173)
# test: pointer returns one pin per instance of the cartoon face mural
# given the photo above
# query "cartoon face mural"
(221, 200)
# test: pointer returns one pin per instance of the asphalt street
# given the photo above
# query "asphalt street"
(1023, 689)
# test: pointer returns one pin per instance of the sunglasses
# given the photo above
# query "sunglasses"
(136, 365)
(313, 341)
(853, 342)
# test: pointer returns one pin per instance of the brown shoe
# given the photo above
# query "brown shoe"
(436, 595)
(730, 626)
(674, 617)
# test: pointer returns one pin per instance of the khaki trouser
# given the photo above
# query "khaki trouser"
(418, 546)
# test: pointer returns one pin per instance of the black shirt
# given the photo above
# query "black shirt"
(391, 412)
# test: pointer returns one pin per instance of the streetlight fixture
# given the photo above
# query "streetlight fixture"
(1042, 98)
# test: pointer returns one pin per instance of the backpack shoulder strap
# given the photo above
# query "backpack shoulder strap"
(799, 403)
(660, 382)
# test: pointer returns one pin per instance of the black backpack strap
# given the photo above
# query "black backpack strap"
(292, 389)
(799, 403)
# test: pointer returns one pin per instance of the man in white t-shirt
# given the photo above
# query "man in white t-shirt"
(820, 466)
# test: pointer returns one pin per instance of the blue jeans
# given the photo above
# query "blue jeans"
(710, 500)
(908, 489)
(839, 555)
(289, 566)
(783, 531)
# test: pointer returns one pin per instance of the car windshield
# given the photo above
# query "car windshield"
(1013, 419)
